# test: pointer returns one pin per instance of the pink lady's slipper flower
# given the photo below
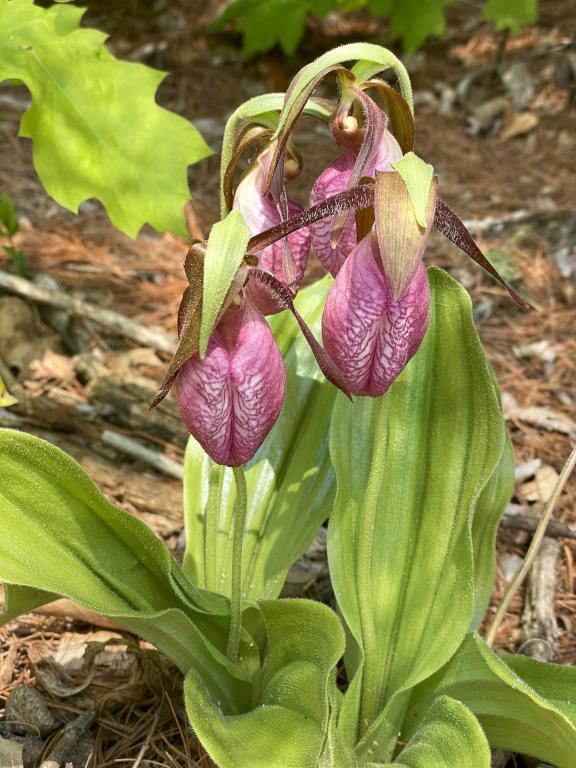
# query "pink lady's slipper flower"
(260, 213)
(368, 149)
(231, 399)
(376, 313)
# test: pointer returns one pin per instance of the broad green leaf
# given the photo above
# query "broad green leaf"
(96, 127)
(512, 711)
(290, 480)
(487, 515)
(286, 725)
(511, 14)
(6, 399)
(412, 20)
(224, 253)
(410, 466)
(417, 175)
(267, 23)
(61, 537)
(448, 737)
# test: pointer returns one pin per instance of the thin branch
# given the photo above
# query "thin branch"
(522, 572)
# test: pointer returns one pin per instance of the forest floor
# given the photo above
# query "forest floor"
(496, 118)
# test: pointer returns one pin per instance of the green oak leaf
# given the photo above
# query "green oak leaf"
(97, 129)
(412, 20)
(511, 14)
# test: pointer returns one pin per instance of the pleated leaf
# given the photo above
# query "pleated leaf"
(286, 725)
(523, 705)
(410, 467)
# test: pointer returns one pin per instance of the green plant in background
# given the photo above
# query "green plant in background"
(413, 479)
(8, 228)
(264, 24)
(96, 127)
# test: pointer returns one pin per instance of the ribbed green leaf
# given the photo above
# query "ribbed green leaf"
(410, 466)
(512, 710)
(448, 737)
(61, 537)
(487, 515)
(286, 725)
(290, 480)
(97, 129)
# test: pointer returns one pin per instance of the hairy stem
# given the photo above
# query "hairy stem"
(236, 585)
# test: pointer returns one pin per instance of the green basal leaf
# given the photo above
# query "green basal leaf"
(97, 129)
(417, 175)
(449, 736)
(511, 14)
(225, 252)
(290, 480)
(512, 711)
(286, 725)
(487, 515)
(410, 466)
(61, 537)
(263, 110)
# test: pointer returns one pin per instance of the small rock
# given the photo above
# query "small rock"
(519, 83)
(28, 713)
(510, 565)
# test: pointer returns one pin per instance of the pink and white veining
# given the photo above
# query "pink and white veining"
(331, 181)
(231, 399)
(370, 336)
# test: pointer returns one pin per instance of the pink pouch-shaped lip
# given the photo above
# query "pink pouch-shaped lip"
(370, 336)
(231, 399)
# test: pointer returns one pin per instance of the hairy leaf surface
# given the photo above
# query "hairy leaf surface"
(523, 705)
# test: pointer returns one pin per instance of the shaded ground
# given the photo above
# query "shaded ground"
(504, 166)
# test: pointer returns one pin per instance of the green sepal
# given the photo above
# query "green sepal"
(225, 253)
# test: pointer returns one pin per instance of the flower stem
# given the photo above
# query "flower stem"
(236, 584)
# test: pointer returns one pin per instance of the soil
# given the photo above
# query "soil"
(508, 174)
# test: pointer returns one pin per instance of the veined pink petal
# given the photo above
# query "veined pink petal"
(370, 336)
(231, 399)
(260, 213)
(334, 179)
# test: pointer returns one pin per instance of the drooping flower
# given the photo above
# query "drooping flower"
(365, 153)
(370, 335)
(260, 213)
(231, 399)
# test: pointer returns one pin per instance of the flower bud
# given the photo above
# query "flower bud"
(231, 399)
(370, 336)
(335, 179)
(260, 213)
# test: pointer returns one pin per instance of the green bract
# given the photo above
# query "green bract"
(96, 127)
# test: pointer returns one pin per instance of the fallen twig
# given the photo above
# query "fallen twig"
(539, 618)
(520, 522)
(107, 319)
(521, 573)
(146, 455)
